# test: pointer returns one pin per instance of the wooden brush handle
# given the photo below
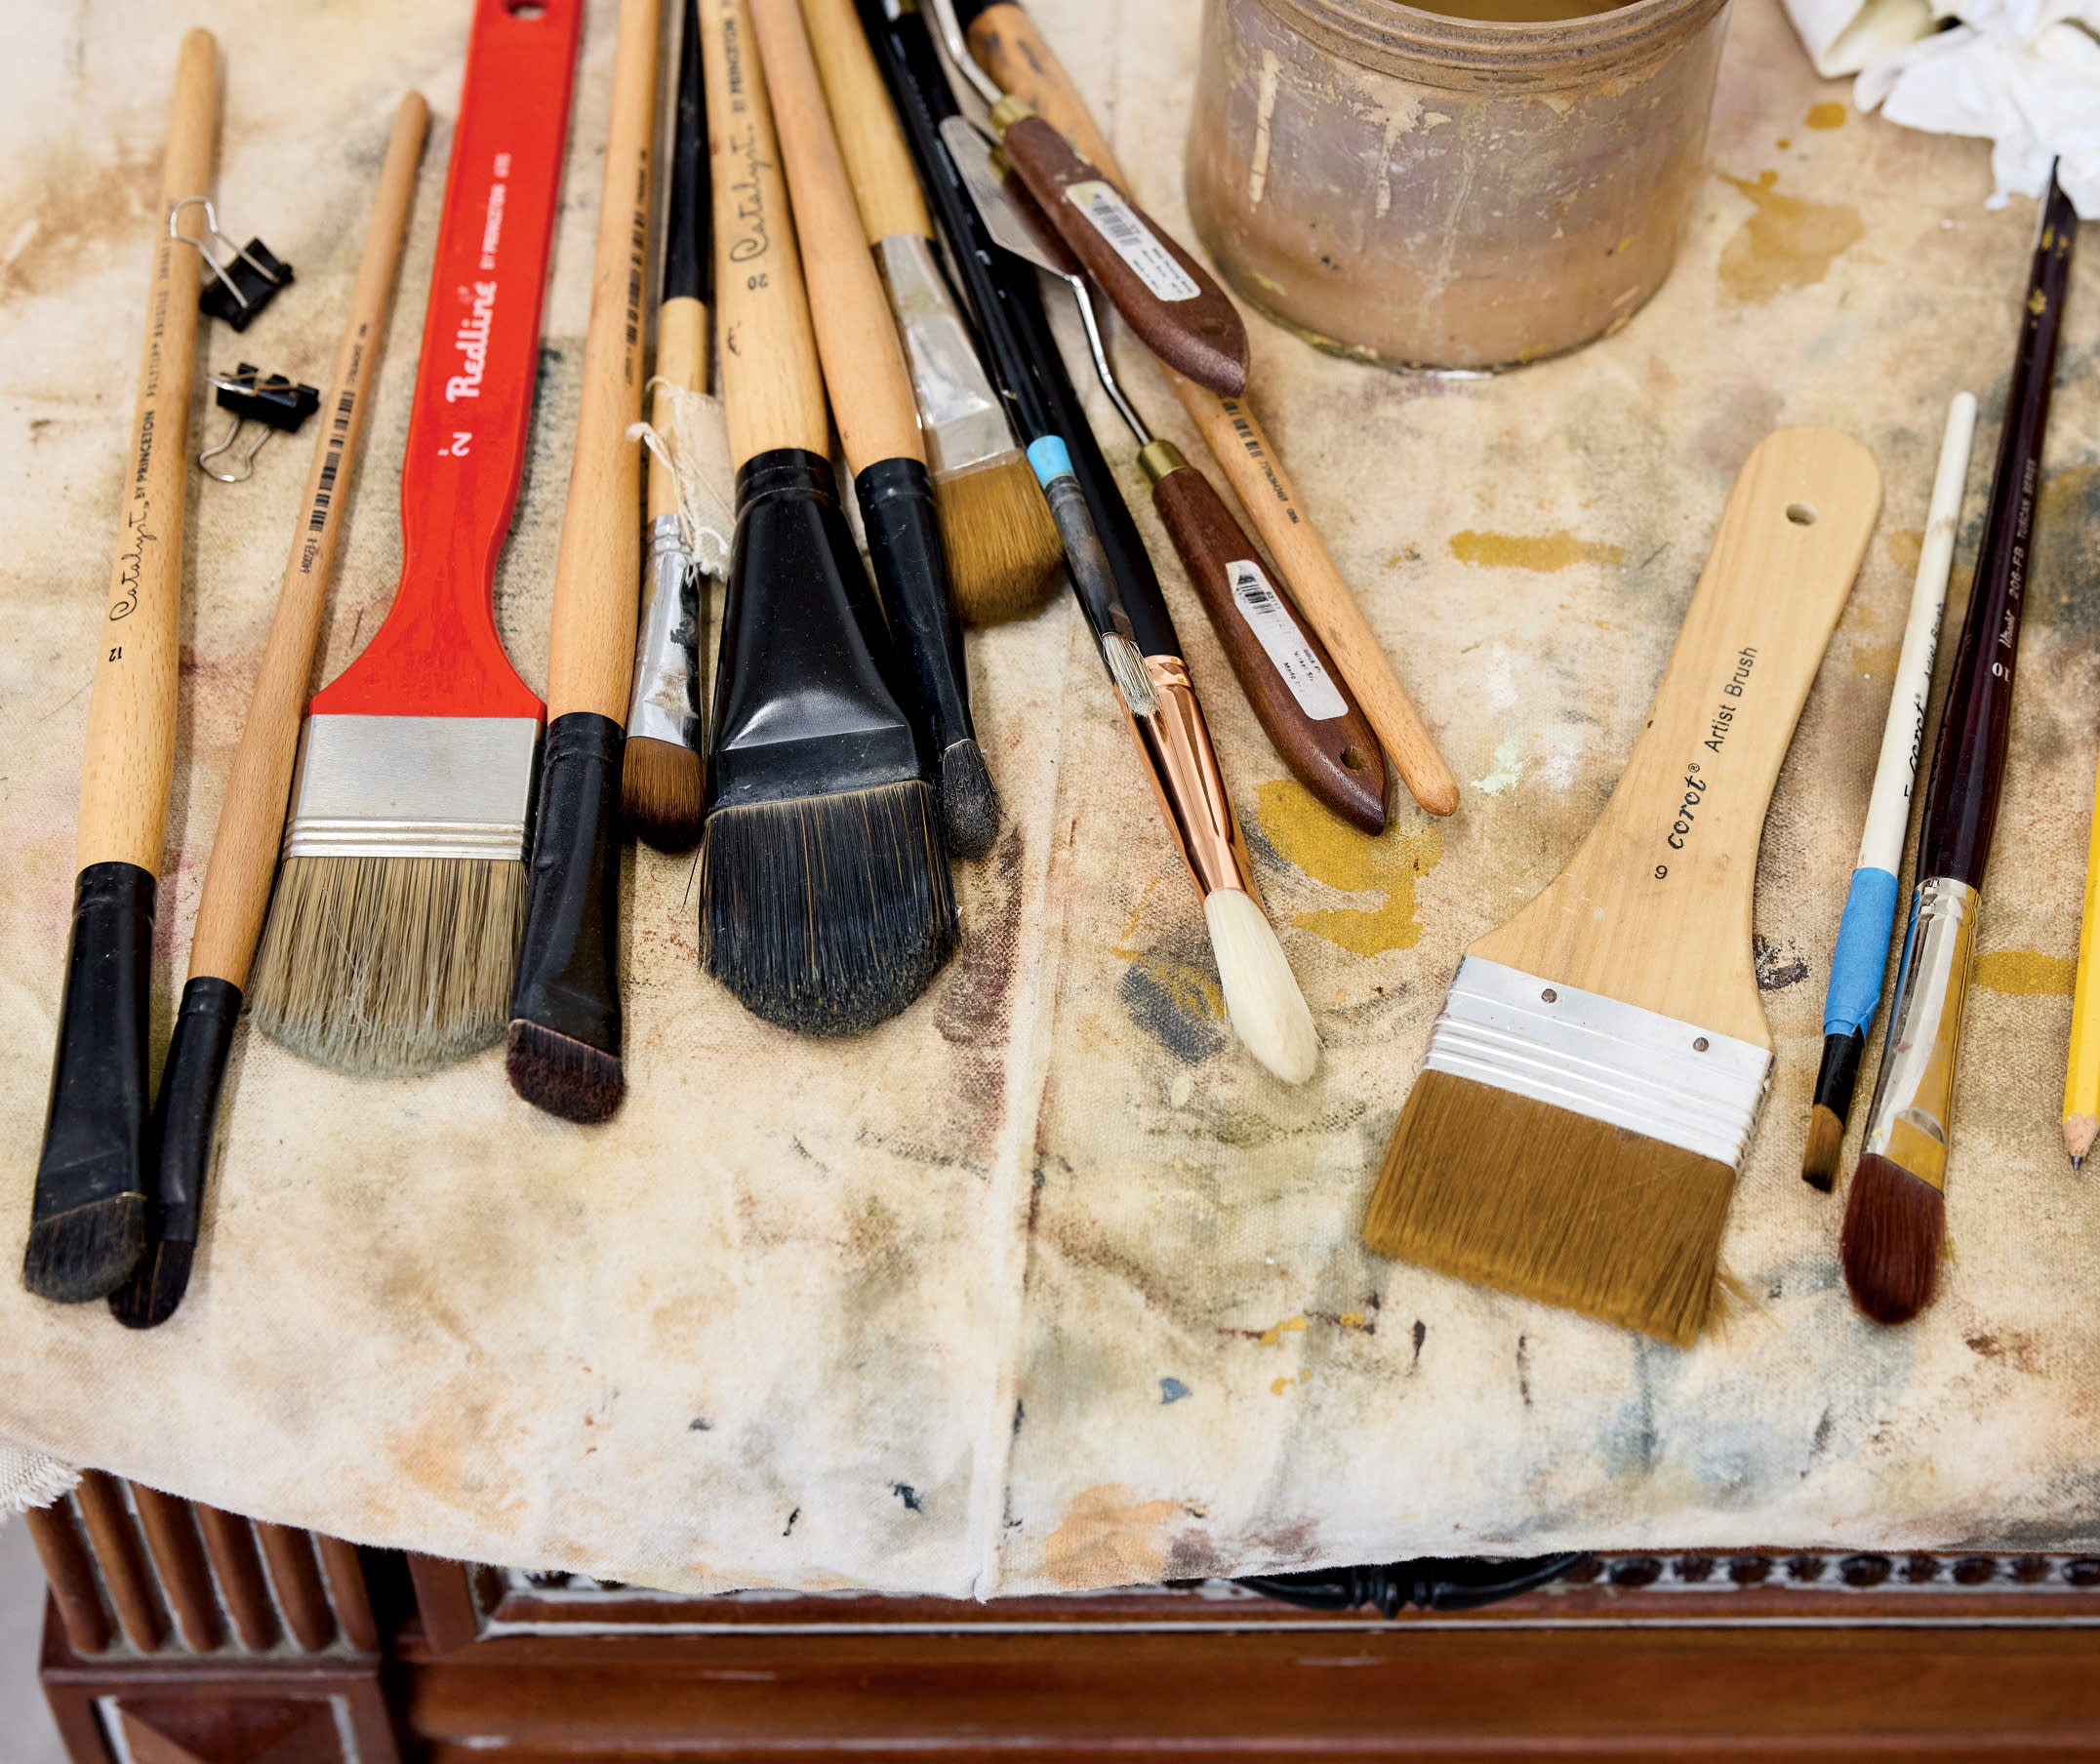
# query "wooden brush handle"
(130, 711)
(681, 361)
(885, 187)
(857, 340)
(771, 389)
(1654, 909)
(591, 644)
(1019, 60)
(251, 824)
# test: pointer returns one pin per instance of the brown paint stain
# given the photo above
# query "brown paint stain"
(1108, 1539)
(1541, 551)
(1787, 242)
(1331, 852)
(1826, 116)
(2026, 973)
(1879, 660)
(1906, 546)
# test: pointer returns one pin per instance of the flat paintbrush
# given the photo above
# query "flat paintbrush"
(1593, 1082)
(394, 935)
(88, 1216)
(826, 900)
(250, 821)
(1896, 1213)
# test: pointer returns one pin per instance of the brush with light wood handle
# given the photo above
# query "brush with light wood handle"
(251, 824)
(1594, 1080)
(1008, 47)
(87, 1225)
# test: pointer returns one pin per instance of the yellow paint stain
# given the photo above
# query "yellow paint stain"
(1826, 116)
(1278, 1386)
(1541, 551)
(1351, 1319)
(1905, 547)
(1782, 144)
(1290, 1326)
(1107, 1539)
(2026, 973)
(1334, 853)
(1787, 242)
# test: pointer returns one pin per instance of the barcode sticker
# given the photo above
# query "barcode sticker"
(1278, 633)
(1133, 241)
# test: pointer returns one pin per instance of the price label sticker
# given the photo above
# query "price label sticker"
(1278, 633)
(1117, 221)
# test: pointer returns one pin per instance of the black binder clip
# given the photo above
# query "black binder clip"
(273, 401)
(245, 278)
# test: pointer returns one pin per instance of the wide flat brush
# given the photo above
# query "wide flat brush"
(250, 821)
(1896, 1214)
(826, 905)
(1593, 1082)
(1870, 907)
(392, 940)
(87, 1215)
(662, 776)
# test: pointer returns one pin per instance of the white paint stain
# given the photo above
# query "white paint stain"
(1258, 161)
(1507, 769)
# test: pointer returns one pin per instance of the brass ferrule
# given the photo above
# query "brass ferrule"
(1184, 767)
(1913, 1101)
(1008, 111)
(1160, 458)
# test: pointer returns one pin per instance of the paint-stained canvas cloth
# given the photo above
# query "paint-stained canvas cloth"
(1046, 1284)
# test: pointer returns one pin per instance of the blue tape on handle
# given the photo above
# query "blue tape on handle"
(1862, 953)
(1049, 458)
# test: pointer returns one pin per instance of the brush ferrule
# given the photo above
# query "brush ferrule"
(413, 787)
(961, 415)
(1624, 1065)
(568, 977)
(1184, 767)
(1913, 1102)
(185, 1115)
(665, 703)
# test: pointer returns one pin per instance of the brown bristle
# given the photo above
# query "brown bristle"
(1552, 1205)
(1894, 1224)
(1819, 1157)
(661, 792)
(1003, 553)
(562, 1075)
(386, 967)
(156, 1286)
(87, 1251)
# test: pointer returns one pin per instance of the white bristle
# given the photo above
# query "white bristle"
(1261, 993)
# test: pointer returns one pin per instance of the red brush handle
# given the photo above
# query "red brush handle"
(438, 653)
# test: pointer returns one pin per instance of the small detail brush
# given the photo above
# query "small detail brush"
(87, 1215)
(826, 905)
(660, 773)
(1895, 1217)
(1596, 1075)
(1870, 907)
(251, 824)
(391, 942)
(565, 1028)
(1004, 559)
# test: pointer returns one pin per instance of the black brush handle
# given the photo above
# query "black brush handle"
(688, 238)
(904, 544)
(1968, 761)
(185, 1115)
(94, 1133)
(568, 977)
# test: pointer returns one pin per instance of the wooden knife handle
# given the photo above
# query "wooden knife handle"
(1019, 60)
(885, 187)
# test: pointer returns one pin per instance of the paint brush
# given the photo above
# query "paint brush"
(1896, 1214)
(250, 821)
(1112, 576)
(1870, 907)
(391, 942)
(1004, 41)
(1004, 558)
(87, 1213)
(662, 776)
(1287, 676)
(1594, 1079)
(826, 905)
(563, 1053)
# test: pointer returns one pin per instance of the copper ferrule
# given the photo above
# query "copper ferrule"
(1160, 458)
(1913, 1102)
(1184, 767)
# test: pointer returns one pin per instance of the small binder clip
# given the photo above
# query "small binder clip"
(275, 402)
(245, 277)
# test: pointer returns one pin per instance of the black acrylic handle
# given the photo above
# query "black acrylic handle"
(688, 245)
(186, 1115)
(568, 976)
(903, 545)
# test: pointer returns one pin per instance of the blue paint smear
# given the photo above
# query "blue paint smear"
(1172, 1390)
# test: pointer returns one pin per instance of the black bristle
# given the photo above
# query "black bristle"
(969, 804)
(86, 1252)
(827, 914)
(148, 1299)
(562, 1075)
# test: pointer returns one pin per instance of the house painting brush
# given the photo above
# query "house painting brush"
(662, 776)
(1896, 1213)
(826, 905)
(1594, 1079)
(394, 935)
(1003, 40)
(1870, 907)
(251, 823)
(87, 1213)
(564, 1049)
(1004, 558)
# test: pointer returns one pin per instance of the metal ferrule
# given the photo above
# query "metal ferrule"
(958, 410)
(1160, 460)
(1913, 1102)
(1184, 767)
(666, 641)
(413, 787)
(1654, 1075)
